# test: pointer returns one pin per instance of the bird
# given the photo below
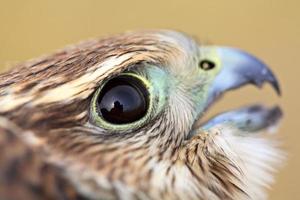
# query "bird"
(120, 118)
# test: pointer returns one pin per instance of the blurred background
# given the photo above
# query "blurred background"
(268, 29)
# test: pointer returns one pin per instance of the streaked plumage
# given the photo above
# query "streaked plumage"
(55, 146)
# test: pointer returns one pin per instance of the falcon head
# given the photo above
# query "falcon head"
(118, 116)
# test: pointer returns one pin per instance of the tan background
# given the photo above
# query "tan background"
(268, 29)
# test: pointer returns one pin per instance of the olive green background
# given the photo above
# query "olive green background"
(268, 29)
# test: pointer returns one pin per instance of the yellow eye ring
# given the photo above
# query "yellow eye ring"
(123, 102)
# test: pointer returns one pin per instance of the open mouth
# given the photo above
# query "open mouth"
(249, 119)
(240, 69)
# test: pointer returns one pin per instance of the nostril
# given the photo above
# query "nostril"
(207, 65)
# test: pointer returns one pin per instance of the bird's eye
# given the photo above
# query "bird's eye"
(206, 65)
(122, 100)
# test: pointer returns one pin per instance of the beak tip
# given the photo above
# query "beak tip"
(277, 89)
(275, 84)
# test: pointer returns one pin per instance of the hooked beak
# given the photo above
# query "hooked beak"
(237, 69)
(240, 68)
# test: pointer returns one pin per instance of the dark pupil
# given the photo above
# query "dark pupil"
(122, 100)
(206, 65)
